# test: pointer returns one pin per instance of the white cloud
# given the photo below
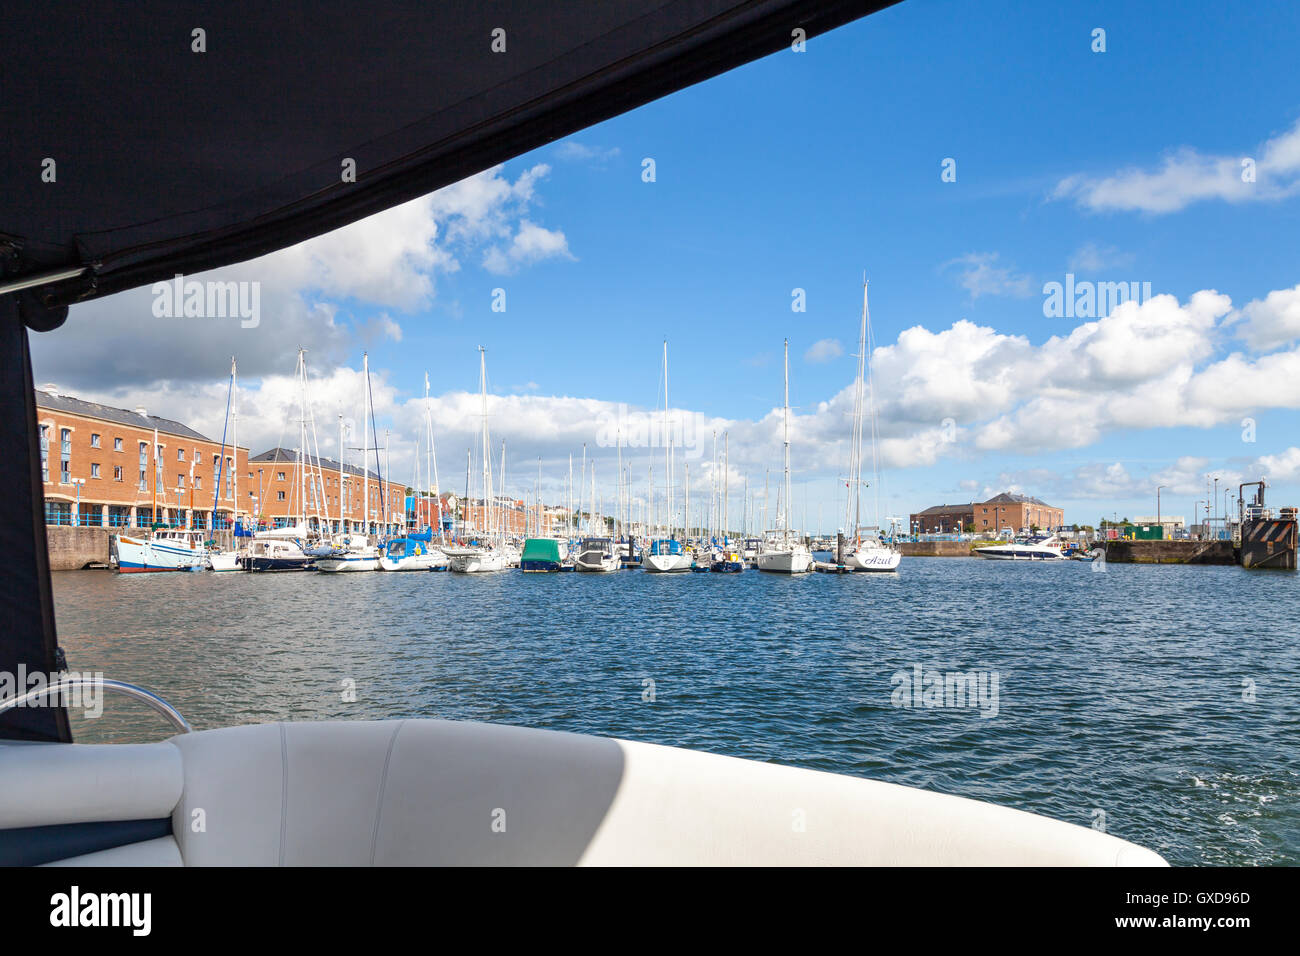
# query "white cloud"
(824, 350)
(392, 259)
(1186, 176)
(530, 244)
(1270, 322)
(980, 275)
(1284, 466)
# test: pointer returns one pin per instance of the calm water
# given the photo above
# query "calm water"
(1121, 692)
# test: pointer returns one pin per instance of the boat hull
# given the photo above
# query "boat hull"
(666, 563)
(135, 556)
(797, 561)
(873, 559)
(259, 563)
(432, 560)
(477, 562)
(223, 561)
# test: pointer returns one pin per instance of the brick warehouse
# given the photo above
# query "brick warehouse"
(98, 471)
(1007, 510)
(273, 479)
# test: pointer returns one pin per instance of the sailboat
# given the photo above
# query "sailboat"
(489, 556)
(218, 559)
(785, 555)
(355, 552)
(666, 554)
(865, 553)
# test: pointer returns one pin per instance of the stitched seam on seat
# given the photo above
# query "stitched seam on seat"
(383, 787)
(284, 788)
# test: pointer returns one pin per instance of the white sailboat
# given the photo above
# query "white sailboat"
(219, 559)
(666, 554)
(356, 553)
(785, 555)
(865, 552)
(489, 556)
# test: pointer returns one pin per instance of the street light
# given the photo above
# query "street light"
(76, 515)
(1162, 527)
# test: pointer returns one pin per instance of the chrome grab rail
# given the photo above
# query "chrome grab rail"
(155, 703)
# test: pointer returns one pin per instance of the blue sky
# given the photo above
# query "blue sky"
(801, 171)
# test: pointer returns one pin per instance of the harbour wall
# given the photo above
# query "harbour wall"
(1170, 552)
(935, 549)
(72, 548)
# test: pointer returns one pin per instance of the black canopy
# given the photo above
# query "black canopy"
(147, 139)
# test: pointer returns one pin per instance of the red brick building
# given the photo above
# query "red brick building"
(99, 469)
(1007, 510)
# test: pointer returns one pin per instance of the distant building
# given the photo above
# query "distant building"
(944, 519)
(1013, 511)
(325, 494)
(1169, 524)
(99, 469)
(1006, 510)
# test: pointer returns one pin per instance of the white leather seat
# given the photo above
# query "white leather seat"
(428, 792)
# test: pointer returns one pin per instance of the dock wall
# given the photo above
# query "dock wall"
(1170, 552)
(935, 549)
(72, 548)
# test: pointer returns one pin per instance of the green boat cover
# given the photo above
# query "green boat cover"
(540, 549)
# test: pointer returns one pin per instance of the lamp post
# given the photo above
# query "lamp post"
(1158, 521)
(76, 515)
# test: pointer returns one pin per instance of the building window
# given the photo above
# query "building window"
(279, 476)
(45, 453)
(180, 482)
(117, 444)
(198, 482)
(117, 472)
(144, 466)
(94, 469)
(180, 454)
(65, 456)
(279, 496)
(94, 440)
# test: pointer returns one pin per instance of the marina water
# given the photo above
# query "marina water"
(1159, 702)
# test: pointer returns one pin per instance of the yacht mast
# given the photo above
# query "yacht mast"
(786, 522)
(365, 446)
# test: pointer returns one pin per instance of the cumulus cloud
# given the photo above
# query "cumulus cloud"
(1272, 321)
(1186, 176)
(307, 292)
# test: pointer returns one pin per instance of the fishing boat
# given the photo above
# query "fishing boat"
(413, 552)
(540, 554)
(596, 554)
(865, 552)
(784, 554)
(164, 549)
(1034, 547)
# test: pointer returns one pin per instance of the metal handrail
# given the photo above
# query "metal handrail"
(148, 697)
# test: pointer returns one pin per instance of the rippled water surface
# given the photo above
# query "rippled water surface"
(1166, 698)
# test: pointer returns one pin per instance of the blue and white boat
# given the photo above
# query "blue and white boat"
(414, 552)
(1030, 548)
(166, 549)
(666, 555)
